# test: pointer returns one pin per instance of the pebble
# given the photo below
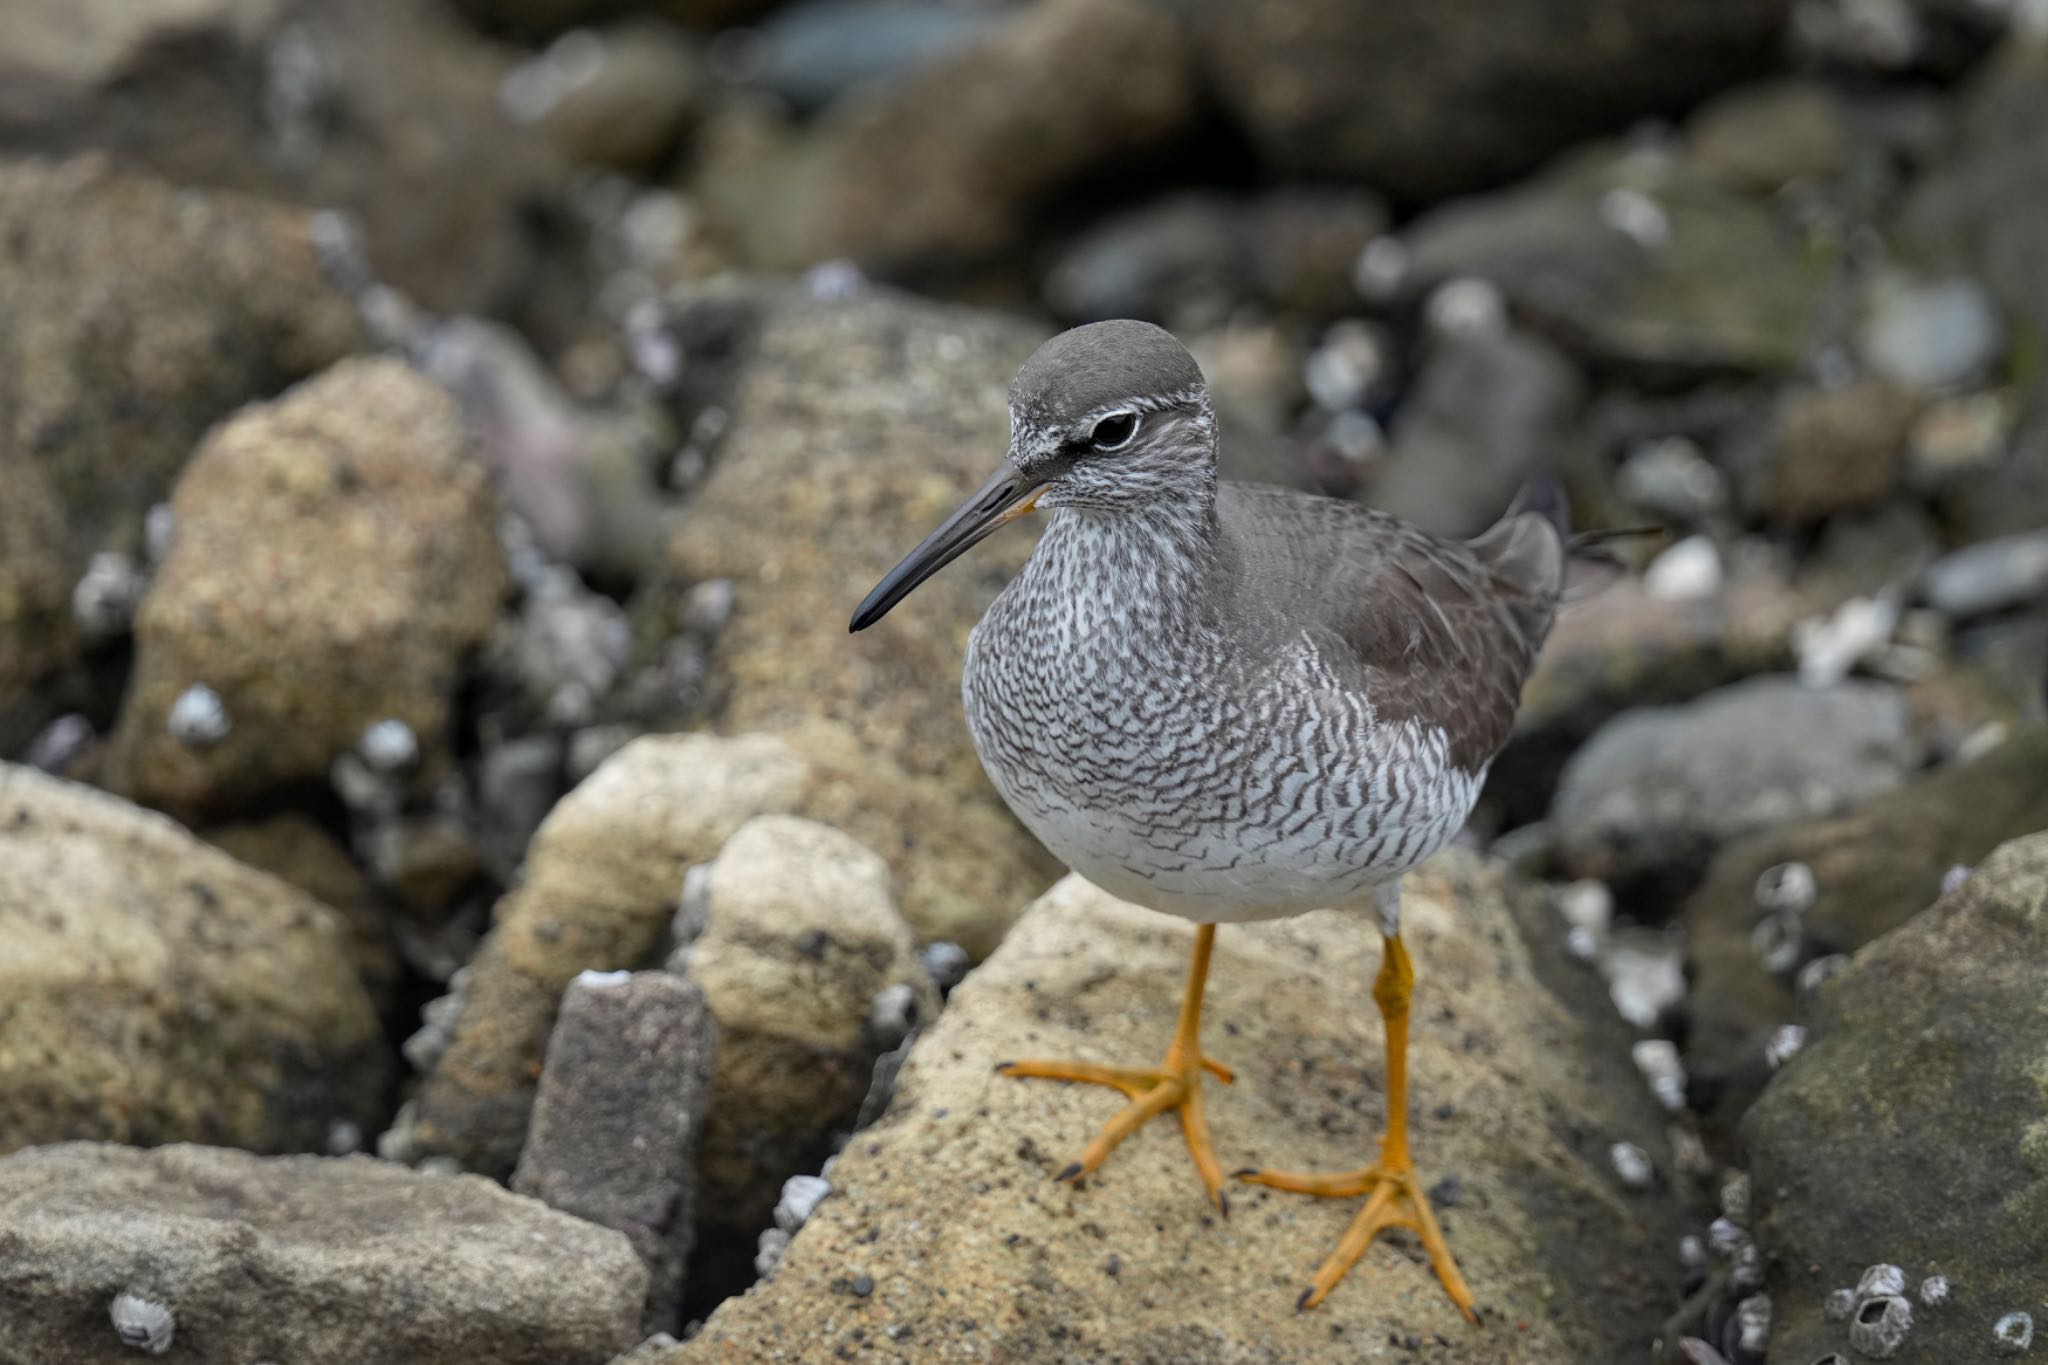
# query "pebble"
(1815, 973)
(1349, 368)
(1467, 307)
(1632, 1165)
(801, 1195)
(1956, 438)
(1673, 479)
(198, 718)
(1786, 889)
(389, 746)
(1839, 1305)
(1830, 647)
(1784, 1044)
(1935, 1291)
(143, 1323)
(1932, 334)
(59, 743)
(1989, 576)
(893, 1014)
(1637, 217)
(1381, 270)
(1662, 1066)
(946, 963)
(104, 600)
(1686, 572)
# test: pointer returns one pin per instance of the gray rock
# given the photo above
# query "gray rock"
(1634, 258)
(303, 1259)
(947, 163)
(1873, 869)
(335, 560)
(1409, 98)
(1989, 576)
(619, 96)
(387, 111)
(1764, 137)
(1931, 334)
(622, 1099)
(159, 991)
(1651, 797)
(813, 52)
(1484, 413)
(1925, 1056)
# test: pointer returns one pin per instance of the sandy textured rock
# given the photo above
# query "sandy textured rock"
(335, 556)
(601, 884)
(1873, 869)
(312, 1260)
(1910, 1130)
(385, 108)
(293, 849)
(622, 1101)
(1651, 797)
(1836, 450)
(945, 1238)
(38, 567)
(856, 427)
(152, 989)
(1428, 100)
(801, 933)
(946, 164)
(134, 315)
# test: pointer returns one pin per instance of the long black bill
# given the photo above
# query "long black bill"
(1005, 497)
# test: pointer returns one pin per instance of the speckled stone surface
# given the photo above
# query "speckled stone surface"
(946, 1239)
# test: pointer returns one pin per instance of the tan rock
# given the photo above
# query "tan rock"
(293, 849)
(944, 1237)
(601, 884)
(335, 557)
(152, 989)
(856, 427)
(37, 569)
(801, 933)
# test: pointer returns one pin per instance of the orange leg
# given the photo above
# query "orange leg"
(1395, 1198)
(1175, 1084)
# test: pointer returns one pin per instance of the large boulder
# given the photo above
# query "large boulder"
(313, 1260)
(387, 109)
(1428, 100)
(133, 316)
(944, 1235)
(1873, 869)
(1651, 797)
(600, 887)
(38, 566)
(335, 557)
(945, 164)
(800, 935)
(1638, 260)
(154, 990)
(1909, 1131)
(856, 426)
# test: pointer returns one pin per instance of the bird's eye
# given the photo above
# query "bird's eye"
(1114, 431)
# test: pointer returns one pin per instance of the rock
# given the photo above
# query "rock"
(1764, 137)
(1873, 869)
(1623, 647)
(1190, 260)
(1924, 1057)
(801, 934)
(623, 1096)
(1634, 259)
(1836, 450)
(159, 991)
(304, 1259)
(1931, 334)
(1651, 797)
(856, 427)
(811, 53)
(1484, 413)
(298, 852)
(388, 111)
(1990, 576)
(529, 19)
(619, 96)
(944, 166)
(599, 889)
(37, 569)
(134, 315)
(335, 557)
(944, 1236)
(1411, 99)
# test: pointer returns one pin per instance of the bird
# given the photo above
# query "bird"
(1227, 702)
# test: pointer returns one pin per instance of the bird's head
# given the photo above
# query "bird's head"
(1112, 418)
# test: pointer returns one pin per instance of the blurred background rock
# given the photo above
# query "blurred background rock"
(414, 413)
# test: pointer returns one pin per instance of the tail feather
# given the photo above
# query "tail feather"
(1527, 547)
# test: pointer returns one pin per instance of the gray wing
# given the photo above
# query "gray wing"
(1439, 631)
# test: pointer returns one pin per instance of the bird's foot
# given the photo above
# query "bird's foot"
(1395, 1200)
(1174, 1085)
